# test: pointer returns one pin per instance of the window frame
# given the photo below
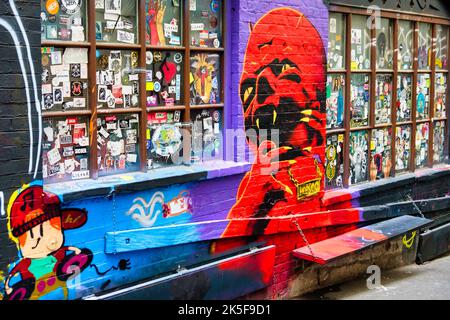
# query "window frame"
(142, 47)
(347, 72)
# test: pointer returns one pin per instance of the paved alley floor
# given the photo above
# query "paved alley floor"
(430, 281)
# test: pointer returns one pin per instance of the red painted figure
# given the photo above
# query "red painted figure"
(282, 88)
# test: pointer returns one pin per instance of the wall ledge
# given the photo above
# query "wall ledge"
(140, 181)
(336, 196)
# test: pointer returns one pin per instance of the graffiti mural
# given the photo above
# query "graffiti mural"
(36, 224)
(279, 91)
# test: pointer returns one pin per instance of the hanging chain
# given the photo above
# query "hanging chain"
(113, 195)
(304, 238)
(415, 205)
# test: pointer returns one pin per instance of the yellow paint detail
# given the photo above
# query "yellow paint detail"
(307, 112)
(305, 120)
(274, 116)
(257, 123)
(409, 242)
(247, 93)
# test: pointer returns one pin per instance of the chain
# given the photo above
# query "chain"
(113, 195)
(304, 238)
(415, 205)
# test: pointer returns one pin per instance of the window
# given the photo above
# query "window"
(124, 82)
(386, 104)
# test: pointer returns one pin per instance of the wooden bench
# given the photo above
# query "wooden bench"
(324, 252)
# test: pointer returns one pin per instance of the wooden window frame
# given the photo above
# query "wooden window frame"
(348, 13)
(142, 47)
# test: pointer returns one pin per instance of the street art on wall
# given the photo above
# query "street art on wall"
(36, 224)
(281, 91)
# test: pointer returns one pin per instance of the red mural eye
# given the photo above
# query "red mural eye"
(248, 92)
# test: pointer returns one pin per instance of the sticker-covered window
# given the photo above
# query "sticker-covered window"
(118, 143)
(336, 41)
(165, 132)
(116, 21)
(423, 95)
(383, 102)
(334, 154)
(361, 43)
(441, 47)
(64, 79)
(405, 45)
(404, 97)
(439, 142)
(63, 20)
(385, 44)
(117, 79)
(381, 164)
(206, 23)
(206, 135)
(335, 101)
(205, 79)
(164, 78)
(424, 46)
(360, 99)
(402, 148)
(65, 149)
(422, 137)
(358, 156)
(163, 22)
(440, 98)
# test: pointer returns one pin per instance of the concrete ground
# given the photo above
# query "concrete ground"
(430, 281)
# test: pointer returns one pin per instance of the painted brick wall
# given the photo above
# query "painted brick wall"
(20, 42)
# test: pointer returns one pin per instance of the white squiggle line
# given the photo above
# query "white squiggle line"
(2, 201)
(36, 95)
(13, 34)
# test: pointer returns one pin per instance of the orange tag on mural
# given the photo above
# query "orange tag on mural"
(52, 7)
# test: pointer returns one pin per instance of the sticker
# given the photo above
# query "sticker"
(75, 70)
(123, 36)
(58, 95)
(157, 87)
(53, 156)
(216, 43)
(178, 58)
(214, 6)
(102, 94)
(99, 4)
(52, 7)
(76, 88)
(197, 26)
(71, 6)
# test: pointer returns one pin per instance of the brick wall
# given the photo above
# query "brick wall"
(18, 160)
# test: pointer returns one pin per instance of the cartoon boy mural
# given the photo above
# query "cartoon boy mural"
(36, 223)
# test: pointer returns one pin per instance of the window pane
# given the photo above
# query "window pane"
(164, 84)
(116, 21)
(65, 149)
(423, 95)
(440, 95)
(402, 148)
(361, 43)
(335, 101)
(206, 135)
(441, 47)
(118, 143)
(404, 97)
(64, 79)
(405, 45)
(422, 135)
(336, 44)
(359, 109)
(206, 23)
(205, 79)
(117, 79)
(335, 161)
(383, 102)
(164, 139)
(424, 46)
(439, 142)
(164, 23)
(385, 44)
(63, 20)
(358, 156)
(381, 164)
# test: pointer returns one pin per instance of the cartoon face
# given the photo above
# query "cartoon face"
(281, 85)
(42, 240)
